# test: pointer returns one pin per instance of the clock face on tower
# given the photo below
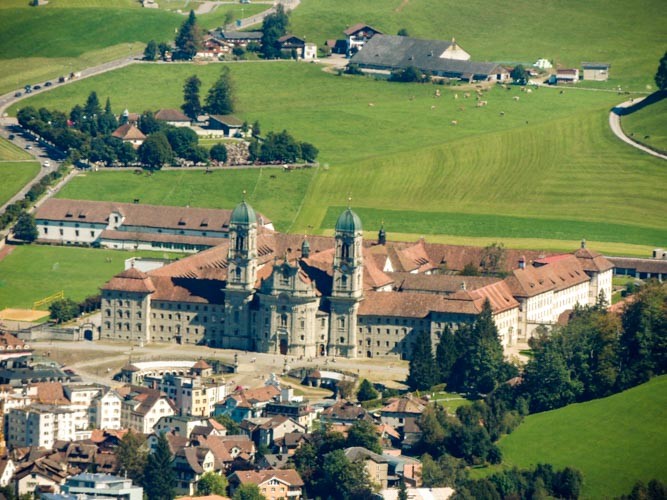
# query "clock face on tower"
(345, 268)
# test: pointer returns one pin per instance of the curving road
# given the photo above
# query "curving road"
(615, 124)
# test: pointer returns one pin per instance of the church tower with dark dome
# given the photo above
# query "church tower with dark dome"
(347, 289)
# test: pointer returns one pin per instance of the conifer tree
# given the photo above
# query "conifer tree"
(220, 98)
(191, 105)
(159, 476)
(422, 368)
(189, 39)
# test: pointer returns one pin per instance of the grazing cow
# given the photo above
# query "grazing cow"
(433, 107)
(370, 104)
(516, 97)
(456, 96)
(502, 113)
(529, 91)
(455, 122)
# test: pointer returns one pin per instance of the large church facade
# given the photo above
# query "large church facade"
(260, 290)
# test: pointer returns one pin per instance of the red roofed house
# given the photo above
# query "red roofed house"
(173, 117)
(143, 407)
(129, 133)
(273, 484)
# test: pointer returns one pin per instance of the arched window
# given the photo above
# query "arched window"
(341, 322)
(345, 251)
(240, 240)
(237, 273)
(283, 320)
(107, 312)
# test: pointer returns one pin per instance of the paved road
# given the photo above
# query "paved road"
(615, 124)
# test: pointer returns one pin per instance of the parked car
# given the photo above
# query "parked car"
(11, 137)
(18, 94)
(37, 87)
(47, 164)
(28, 146)
(48, 84)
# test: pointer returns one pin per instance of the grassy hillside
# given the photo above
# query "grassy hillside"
(648, 125)
(629, 36)
(614, 441)
(9, 152)
(531, 172)
(14, 176)
(33, 272)
(69, 35)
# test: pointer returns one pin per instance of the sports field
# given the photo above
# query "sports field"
(614, 441)
(546, 168)
(33, 272)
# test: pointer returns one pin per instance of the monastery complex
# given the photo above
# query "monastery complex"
(260, 290)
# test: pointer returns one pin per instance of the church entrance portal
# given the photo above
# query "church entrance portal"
(283, 346)
(321, 350)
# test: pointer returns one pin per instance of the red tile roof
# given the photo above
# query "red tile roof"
(171, 115)
(288, 476)
(129, 132)
(130, 280)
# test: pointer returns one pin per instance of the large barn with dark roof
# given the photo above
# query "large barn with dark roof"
(264, 291)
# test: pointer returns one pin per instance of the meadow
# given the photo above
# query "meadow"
(543, 167)
(648, 125)
(33, 272)
(14, 176)
(613, 453)
(76, 34)
(630, 36)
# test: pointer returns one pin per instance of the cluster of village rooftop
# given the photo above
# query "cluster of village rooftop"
(62, 433)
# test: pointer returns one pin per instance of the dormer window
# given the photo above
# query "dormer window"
(181, 222)
(204, 223)
(69, 214)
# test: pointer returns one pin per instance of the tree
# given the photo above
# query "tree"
(309, 152)
(107, 121)
(155, 151)
(493, 258)
(163, 48)
(218, 153)
(256, 130)
(274, 26)
(151, 51)
(248, 492)
(470, 269)
(363, 434)
(148, 124)
(191, 105)
(345, 388)
(189, 37)
(403, 32)
(478, 368)
(422, 367)
(232, 427)
(132, 456)
(64, 310)
(569, 483)
(366, 391)
(159, 476)
(220, 98)
(661, 74)
(402, 491)
(92, 106)
(181, 140)
(25, 228)
(344, 479)
(212, 484)
(446, 354)
(519, 75)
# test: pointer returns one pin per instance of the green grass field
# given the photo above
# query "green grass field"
(648, 125)
(14, 176)
(10, 152)
(275, 193)
(630, 36)
(33, 272)
(614, 441)
(549, 168)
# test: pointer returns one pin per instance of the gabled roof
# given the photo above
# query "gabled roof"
(287, 476)
(171, 115)
(130, 280)
(358, 27)
(356, 453)
(592, 261)
(595, 65)
(559, 275)
(405, 404)
(129, 132)
(229, 120)
(400, 52)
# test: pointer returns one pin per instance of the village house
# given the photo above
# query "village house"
(40, 475)
(377, 466)
(12, 347)
(321, 296)
(89, 485)
(191, 394)
(344, 412)
(233, 39)
(130, 133)
(567, 75)
(265, 430)
(142, 408)
(247, 403)
(173, 117)
(105, 410)
(356, 36)
(190, 464)
(42, 425)
(399, 410)
(7, 469)
(273, 484)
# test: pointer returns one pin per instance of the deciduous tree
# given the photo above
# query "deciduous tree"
(212, 484)
(155, 151)
(25, 228)
(151, 51)
(218, 153)
(366, 391)
(132, 454)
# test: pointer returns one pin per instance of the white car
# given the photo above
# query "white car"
(47, 164)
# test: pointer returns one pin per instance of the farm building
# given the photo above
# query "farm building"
(387, 53)
(229, 125)
(356, 36)
(568, 75)
(173, 117)
(596, 71)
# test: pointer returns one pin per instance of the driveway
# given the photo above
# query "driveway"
(615, 124)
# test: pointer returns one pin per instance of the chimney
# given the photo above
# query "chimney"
(463, 285)
(382, 236)
(522, 262)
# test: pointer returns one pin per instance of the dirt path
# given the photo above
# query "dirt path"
(6, 250)
(402, 6)
(615, 124)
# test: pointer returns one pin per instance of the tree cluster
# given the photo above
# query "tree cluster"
(189, 38)
(597, 353)
(469, 361)
(281, 147)
(538, 483)
(654, 490)
(519, 75)
(661, 73)
(274, 26)
(64, 310)
(325, 469)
